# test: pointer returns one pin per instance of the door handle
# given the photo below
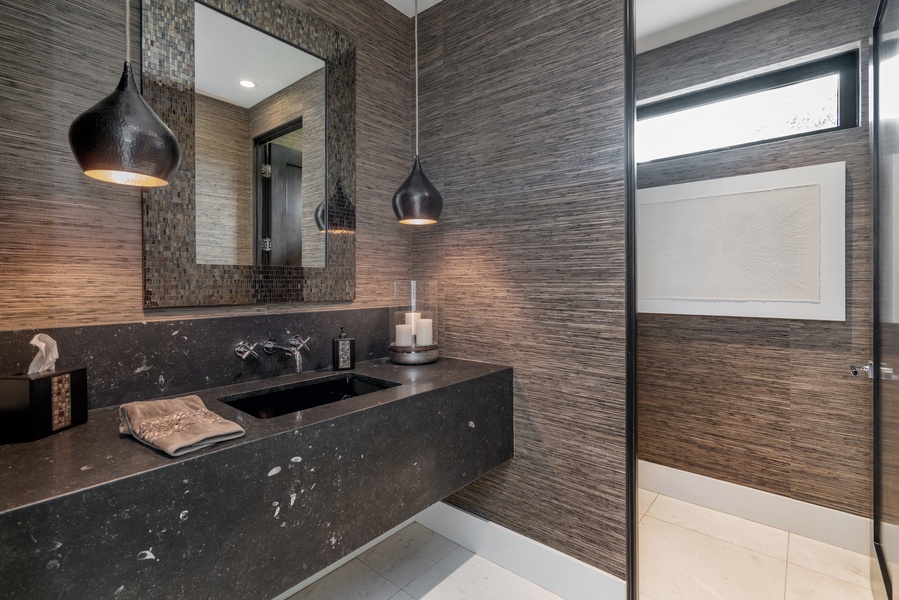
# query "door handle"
(868, 368)
(885, 371)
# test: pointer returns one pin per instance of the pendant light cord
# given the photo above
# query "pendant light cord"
(128, 31)
(416, 77)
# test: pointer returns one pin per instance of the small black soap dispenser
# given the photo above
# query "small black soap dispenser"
(344, 352)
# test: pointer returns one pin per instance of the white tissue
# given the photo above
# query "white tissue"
(48, 352)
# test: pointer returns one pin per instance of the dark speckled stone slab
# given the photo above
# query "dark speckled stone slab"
(91, 514)
(143, 361)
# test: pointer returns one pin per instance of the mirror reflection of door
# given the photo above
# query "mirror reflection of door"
(279, 212)
(252, 91)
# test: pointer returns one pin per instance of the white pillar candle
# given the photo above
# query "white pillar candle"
(424, 332)
(411, 318)
(404, 335)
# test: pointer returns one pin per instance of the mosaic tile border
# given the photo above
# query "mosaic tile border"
(172, 276)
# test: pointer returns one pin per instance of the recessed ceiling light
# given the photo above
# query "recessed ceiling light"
(247, 83)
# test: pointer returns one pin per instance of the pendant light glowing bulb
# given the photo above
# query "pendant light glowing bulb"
(121, 140)
(417, 201)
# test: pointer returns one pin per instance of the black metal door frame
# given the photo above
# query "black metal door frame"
(877, 340)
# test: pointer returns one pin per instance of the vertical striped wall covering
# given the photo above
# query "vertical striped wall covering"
(766, 403)
(70, 247)
(522, 131)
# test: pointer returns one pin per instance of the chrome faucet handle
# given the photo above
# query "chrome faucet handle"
(270, 346)
(299, 343)
(245, 350)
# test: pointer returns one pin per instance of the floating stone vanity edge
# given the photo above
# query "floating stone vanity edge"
(88, 513)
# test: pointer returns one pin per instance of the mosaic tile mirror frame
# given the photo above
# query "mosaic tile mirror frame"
(172, 276)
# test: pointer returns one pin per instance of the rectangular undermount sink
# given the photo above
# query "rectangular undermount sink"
(268, 403)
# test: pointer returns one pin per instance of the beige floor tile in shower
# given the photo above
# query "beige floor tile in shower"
(839, 563)
(805, 584)
(681, 564)
(722, 526)
(644, 501)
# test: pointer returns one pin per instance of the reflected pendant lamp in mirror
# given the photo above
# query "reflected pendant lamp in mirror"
(320, 217)
(417, 201)
(340, 218)
(121, 140)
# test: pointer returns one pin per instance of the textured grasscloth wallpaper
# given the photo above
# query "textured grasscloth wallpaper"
(523, 133)
(766, 403)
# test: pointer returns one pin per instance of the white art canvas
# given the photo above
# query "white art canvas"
(765, 245)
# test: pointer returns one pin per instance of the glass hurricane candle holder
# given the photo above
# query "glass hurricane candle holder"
(413, 322)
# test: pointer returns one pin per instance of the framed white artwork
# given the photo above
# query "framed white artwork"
(764, 245)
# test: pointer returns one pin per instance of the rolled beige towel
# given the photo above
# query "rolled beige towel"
(176, 426)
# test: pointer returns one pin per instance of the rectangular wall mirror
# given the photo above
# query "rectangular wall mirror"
(261, 98)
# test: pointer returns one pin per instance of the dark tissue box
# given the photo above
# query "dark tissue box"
(34, 406)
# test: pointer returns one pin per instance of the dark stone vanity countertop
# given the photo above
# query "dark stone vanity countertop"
(95, 453)
(87, 513)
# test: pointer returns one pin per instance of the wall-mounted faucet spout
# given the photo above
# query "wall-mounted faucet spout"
(294, 347)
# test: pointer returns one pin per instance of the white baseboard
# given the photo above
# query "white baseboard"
(550, 569)
(826, 525)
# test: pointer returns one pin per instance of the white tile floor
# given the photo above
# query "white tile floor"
(688, 552)
(417, 563)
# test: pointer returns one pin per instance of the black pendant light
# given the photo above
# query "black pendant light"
(417, 202)
(120, 139)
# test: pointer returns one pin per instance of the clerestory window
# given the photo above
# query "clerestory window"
(810, 98)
